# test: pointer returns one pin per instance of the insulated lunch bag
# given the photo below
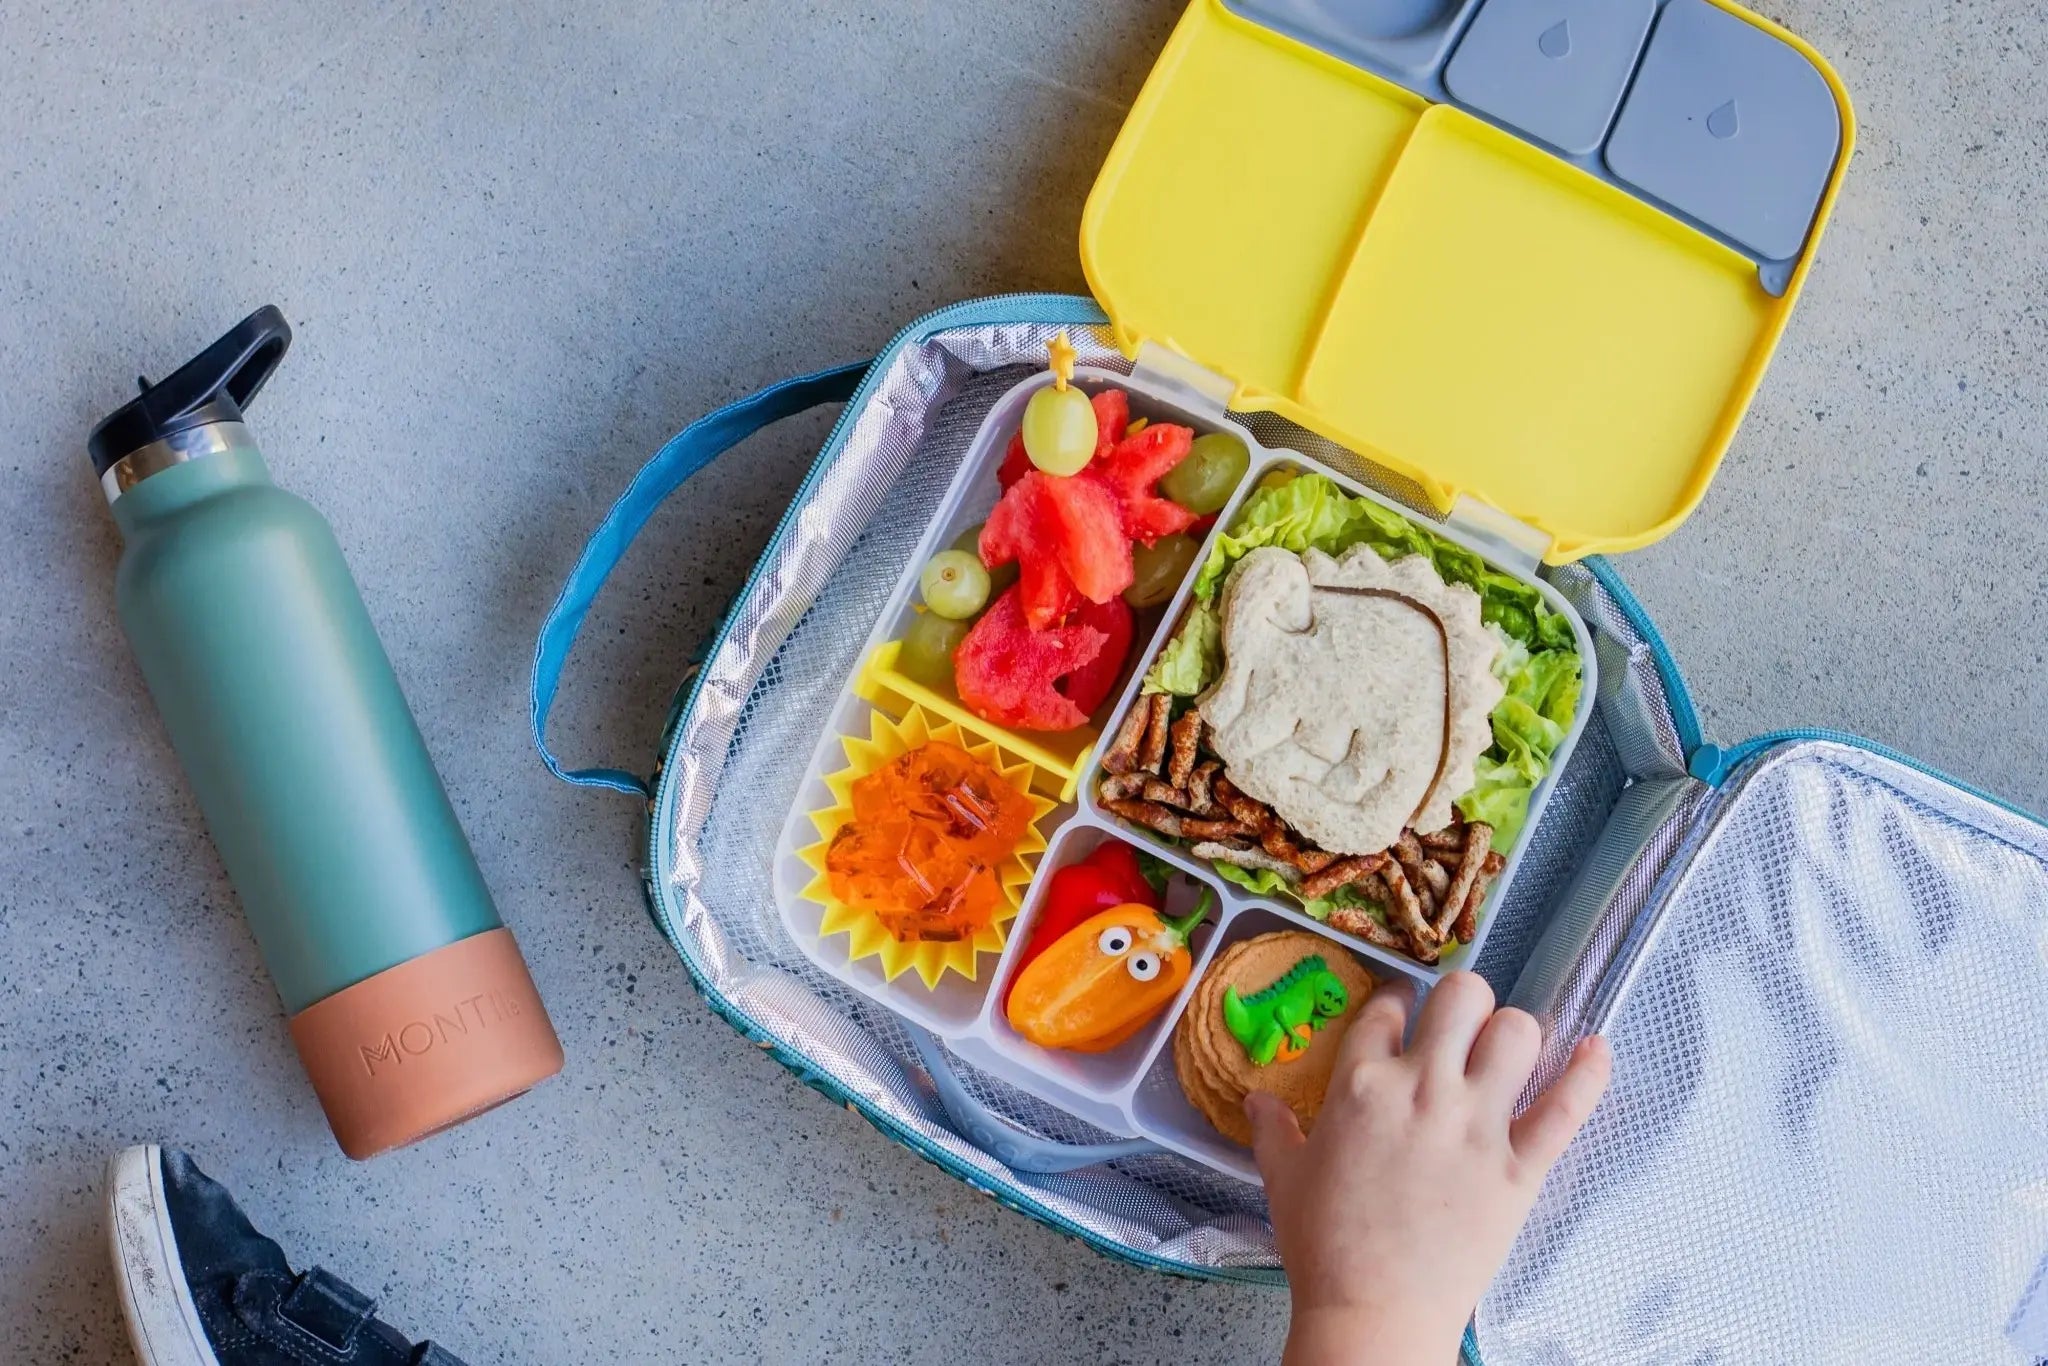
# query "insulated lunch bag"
(1821, 964)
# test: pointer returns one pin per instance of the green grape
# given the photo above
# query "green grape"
(1160, 569)
(954, 584)
(928, 646)
(1002, 576)
(1204, 481)
(1059, 430)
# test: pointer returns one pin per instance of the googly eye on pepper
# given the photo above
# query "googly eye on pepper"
(1105, 979)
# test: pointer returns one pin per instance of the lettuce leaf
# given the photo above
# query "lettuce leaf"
(1528, 726)
(1311, 512)
(1192, 659)
(1303, 512)
(1538, 664)
(1343, 896)
(1266, 882)
(1257, 881)
(1500, 797)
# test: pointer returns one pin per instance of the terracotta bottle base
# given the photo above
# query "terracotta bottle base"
(423, 1046)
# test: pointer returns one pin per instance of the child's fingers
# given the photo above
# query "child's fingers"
(1452, 1017)
(1504, 1056)
(1382, 1020)
(1547, 1127)
(1276, 1135)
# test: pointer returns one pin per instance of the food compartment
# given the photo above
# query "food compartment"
(891, 692)
(1455, 877)
(1404, 40)
(1159, 1105)
(899, 667)
(1731, 125)
(923, 788)
(1555, 69)
(895, 667)
(1059, 900)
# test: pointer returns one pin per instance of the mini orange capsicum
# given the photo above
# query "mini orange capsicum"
(1105, 979)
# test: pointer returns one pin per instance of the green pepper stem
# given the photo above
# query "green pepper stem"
(1181, 929)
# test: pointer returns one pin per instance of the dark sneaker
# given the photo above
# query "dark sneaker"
(201, 1287)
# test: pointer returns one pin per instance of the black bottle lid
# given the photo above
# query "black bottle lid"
(214, 386)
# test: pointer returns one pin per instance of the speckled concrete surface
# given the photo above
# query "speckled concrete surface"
(521, 245)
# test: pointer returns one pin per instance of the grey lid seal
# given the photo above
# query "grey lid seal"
(1554, 69)
(1731, 125)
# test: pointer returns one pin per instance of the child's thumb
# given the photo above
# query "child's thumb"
(1276, 1134)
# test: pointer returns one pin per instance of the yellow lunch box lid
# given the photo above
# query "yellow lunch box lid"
(1533, 253)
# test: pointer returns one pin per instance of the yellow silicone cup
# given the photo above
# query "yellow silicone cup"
(1057, 759)
(866, 938)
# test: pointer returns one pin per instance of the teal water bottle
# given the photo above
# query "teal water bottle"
(411, 1006)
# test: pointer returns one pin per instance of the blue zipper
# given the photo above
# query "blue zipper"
(1676, 695)
(1712, 764)
(1709, 763)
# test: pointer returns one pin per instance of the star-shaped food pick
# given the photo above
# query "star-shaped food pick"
(1060, 356)
(1060, 426)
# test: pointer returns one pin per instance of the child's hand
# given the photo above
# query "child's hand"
(1393, 1217)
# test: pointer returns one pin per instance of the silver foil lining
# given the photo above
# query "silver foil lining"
(1827, 1137)
(737, 758)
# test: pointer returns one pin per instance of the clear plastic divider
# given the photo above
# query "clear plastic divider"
(1132, 1088)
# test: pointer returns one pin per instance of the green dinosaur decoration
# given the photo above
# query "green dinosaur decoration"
(1279, 1021)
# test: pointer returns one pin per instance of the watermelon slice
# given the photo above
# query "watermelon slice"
(1008, 673)
(1088, 686)
(1112, 419)
(1016, 462)
(1070, 537)
(1068, 540)
(1130, 470)
(1016, 531)
(1088, 535)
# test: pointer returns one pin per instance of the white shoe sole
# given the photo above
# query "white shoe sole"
(163, 1322)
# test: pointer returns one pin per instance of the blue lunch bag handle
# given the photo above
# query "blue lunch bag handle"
(689, 451)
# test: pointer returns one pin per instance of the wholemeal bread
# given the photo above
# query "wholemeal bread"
(1355, 693)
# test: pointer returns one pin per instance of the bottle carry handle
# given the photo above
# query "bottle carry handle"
(689, 451)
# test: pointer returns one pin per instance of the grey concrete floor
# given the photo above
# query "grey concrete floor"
(521, 244)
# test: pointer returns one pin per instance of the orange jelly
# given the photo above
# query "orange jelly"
(929, 830)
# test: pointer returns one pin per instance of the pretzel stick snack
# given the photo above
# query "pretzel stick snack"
(1452, 910)
(1152, 753)
(1122, 755)
(1185, 737)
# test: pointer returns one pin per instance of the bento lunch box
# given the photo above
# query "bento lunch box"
(1684, 898)
(1130, 1089)
(1514, 267)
